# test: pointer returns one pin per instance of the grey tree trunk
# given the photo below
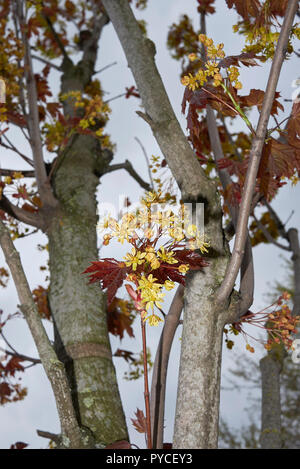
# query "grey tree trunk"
(271, 366)
(79, 309)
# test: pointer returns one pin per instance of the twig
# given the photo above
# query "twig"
(53, 367)
(57, 38)
(51, 436)
(115, 97)
(268, 235)
(10, 172)
(130, 169)
(33, 219)
(146, 158)
(34, 361)
(43, 184)
(255, 156)
(13, 148)
(146, 386)
(160, 368)
(105, 68)
(50, 64)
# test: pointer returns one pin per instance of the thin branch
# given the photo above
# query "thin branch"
(43, 184)
(13, 148)
(130, 169)
(105, 68)
(50, 436)
(146, 158)
(53, 367)
(50, 64)
(33, 219)
(34, 361)
(293, 237)
(115, 97)
(190, 177)
(247, 266)
(255, 156)
(159, 374)
(15, 353)
(279, 224)
(10, 172)
(146, 386)
(268, 235)
(57, 38)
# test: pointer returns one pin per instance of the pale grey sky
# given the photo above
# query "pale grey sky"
(19, 421)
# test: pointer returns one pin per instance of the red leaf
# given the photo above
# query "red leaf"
(19, 445)
(132, 91)
(119, 321)
(245, 8)
(246, 58)
(109, 273)
(256, 97)
(140, 422)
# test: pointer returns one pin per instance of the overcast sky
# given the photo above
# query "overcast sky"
(19, 421)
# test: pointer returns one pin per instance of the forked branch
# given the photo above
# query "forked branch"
(255, 156)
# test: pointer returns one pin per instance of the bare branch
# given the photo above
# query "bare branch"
(255, 156)
(57, 39)
(13, 148)
(295, 248)
(10, 172)
(51, 436)
(147, 160)
(268, 235)
(53, 367)
(50, 64)
(105, 68)
(159, 375)
(160, 115)
(247, 267)
(130, 169)
(44, 186)
(35, 361)
(33, 219)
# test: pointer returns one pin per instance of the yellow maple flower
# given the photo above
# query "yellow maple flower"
(135, 258)
(166, 256)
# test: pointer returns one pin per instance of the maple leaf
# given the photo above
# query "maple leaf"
(14, 365)
(293, 127)
(256, 97)
(132, 91)
(246, 58)
(119, 321)
(19, 445)
(40, 297)
(205, 6)
(140, 422)
(245, 8)
(110, 273)
(126, 354)
(186, 256)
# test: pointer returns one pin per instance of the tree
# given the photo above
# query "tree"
(203, 166)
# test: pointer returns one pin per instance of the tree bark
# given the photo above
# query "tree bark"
(79, 309)
(199, 381)
(271, 366)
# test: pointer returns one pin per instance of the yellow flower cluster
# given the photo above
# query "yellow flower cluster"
(211, 68)
(142, 229)
(95, 115)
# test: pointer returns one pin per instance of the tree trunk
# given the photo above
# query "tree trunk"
(200, 362)
(79, 309)
(271, 366)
